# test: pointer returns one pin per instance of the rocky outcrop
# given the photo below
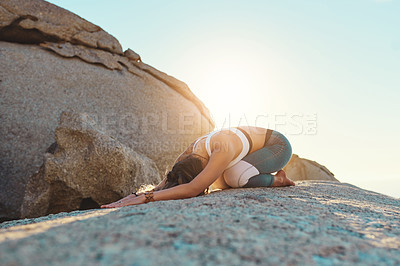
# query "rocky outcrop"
(131, 55)
(304, 169)
(84, 168)
(312, 223)
(36, 21)
(132, 62)
(53, 61)
(40, 22)
(94, 56)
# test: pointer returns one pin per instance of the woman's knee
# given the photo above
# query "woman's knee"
(239, 174)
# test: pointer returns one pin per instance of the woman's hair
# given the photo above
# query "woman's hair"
(183, 172)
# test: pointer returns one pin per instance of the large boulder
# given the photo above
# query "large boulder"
(83, 169)
(52, 61)
(303, 169)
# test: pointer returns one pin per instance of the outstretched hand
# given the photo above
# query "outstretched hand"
(128, 200)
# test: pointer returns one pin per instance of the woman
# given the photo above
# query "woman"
(232, 157)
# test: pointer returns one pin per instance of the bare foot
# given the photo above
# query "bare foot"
(281, 180)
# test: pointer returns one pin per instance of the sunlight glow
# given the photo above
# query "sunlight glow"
(230, 77)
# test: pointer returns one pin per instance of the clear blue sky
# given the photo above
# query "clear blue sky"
(325, 73)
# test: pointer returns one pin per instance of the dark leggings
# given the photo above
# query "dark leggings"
(255, 169)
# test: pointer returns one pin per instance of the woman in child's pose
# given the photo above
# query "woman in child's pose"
(232, 157)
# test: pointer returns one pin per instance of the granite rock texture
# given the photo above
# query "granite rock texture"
(303, 169)
(51, 61)
(84, 168)
(313, 223)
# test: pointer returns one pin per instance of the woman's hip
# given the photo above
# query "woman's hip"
(275, 154)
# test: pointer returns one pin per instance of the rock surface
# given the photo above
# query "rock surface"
(304, 169)
(34, 21)
(131, 55)
(313, 223)
(89, 55)
(84, 168)
(51, 61)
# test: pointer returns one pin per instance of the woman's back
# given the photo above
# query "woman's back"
(242, 141)
(256, 136)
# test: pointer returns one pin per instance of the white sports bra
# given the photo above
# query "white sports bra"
(239, 133)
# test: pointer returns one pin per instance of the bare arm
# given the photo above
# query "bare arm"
(222, 154)
(219, 160)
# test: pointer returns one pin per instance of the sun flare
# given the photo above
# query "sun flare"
(232, 91)
(236, 78)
